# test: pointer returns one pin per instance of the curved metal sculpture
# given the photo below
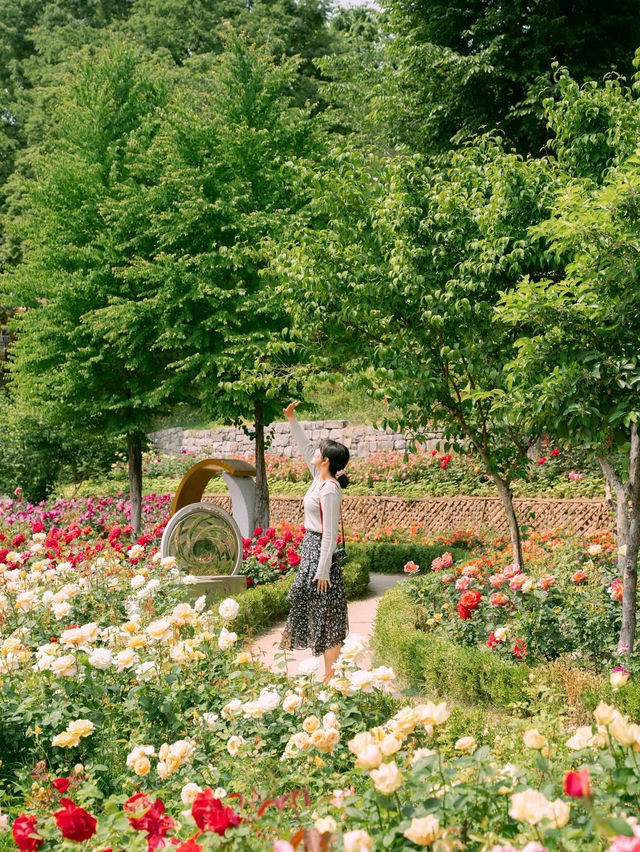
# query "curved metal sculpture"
(204, 539)
(238, 476)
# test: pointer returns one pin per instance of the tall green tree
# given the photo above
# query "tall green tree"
(448, 71)
(577, 361)
(86, 351)
(396, 280)
(228, 174)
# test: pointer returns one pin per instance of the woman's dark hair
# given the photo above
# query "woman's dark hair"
(338, 456)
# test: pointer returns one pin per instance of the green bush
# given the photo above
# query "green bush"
(438, 665)
(264, 606)
(387, 558)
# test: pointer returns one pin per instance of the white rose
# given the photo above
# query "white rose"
(291, 703)
(233, 745)
(269, 699)
(534, 739)
(189, 793)
(228, 609)
(64, 666)
(125, 659)
(226, 639)
(309, 666)
(138, 581)
(231, 708)
(100, 658)
(210, 719)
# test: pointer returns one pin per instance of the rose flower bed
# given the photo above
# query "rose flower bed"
(130, 719)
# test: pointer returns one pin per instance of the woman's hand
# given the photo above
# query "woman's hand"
(323, 585)
(289, 411)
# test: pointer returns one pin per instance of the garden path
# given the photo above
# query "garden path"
(361, 617)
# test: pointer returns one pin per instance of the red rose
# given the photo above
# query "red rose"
(24, 833)
(555, 452)
(263, 540)
(249, 581)
(270, 533)
(189, 845)
(257, 532)
(74, 822)
(463, 612)
(577, 784)
(542, 460)
(492, 641)
(211, 815)
(148, 816)
(519, 649)
(61, 784)
(293, 558)
(37, 527)
(470, 599)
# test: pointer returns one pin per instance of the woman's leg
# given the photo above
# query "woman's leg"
(330, 656)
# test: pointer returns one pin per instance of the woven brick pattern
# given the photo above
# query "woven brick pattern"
(438, 514)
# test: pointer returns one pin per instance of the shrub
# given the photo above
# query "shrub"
(387, 558)
(439, 665)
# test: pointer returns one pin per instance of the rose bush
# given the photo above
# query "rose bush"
(566, 601)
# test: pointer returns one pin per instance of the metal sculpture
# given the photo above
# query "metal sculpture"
(206, 541)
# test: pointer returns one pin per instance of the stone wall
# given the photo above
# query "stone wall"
(229, 440)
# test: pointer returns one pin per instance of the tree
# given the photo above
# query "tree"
(577, 359)
(449, 71)
(86, 351)
(229, 172)
(396, 280)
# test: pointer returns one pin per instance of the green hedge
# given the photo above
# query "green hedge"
(264, 606)
(391, 558)
(439, 666)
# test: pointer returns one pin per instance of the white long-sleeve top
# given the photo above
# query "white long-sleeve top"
(321, 504)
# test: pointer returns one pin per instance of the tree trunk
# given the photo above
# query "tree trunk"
(514, 530)
(134, 449)
(630, 576)
(621, 492)
(262, 486)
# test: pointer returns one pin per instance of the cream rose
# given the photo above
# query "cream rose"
(357, 841)
(387, 778)
(423, 830)
(534, 739)
(228, 609)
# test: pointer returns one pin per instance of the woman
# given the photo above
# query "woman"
(318, 615)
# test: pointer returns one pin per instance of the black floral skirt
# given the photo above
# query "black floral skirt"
(317, 620)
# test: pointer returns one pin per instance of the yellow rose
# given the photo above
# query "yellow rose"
(390, 745)
(65, 740)
(465, 744)
(242, 658)
(141, 765)
(311, 724)
(81, 727)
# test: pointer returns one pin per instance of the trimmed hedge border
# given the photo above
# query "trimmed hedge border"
(264, 606)
(388, 558)
(474, 675)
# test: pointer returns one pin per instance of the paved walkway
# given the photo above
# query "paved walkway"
(361, 616)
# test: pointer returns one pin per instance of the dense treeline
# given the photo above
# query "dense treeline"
(215, 204)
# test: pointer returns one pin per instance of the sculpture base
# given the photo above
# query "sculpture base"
(215, 588)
